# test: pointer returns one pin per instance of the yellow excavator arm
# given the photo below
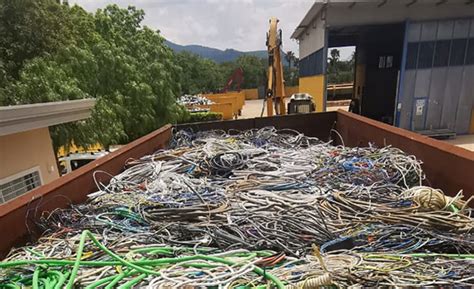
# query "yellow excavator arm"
(275, 94)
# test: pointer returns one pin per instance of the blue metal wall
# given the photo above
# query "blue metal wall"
(438, 80)
(312, 64)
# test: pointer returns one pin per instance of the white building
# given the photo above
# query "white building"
(414, 59)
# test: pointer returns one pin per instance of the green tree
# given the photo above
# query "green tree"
(198, 74)
(31, 28)
(290, 56)
(126, 68)
(340, 71)
(253, 68)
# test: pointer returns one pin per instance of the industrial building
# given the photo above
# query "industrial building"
(414, 59)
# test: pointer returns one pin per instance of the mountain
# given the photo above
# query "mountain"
(215, 54)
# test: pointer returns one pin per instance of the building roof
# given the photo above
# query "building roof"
(19, 118)
(308, 18)
(363, 12)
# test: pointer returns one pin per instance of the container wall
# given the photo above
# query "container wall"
(447, 167)
(17, 216)
(314, 124)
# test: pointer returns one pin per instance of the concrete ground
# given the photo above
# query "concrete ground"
(253, 108)
(464, 141)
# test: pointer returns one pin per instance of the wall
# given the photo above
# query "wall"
(250, 93)
(230, 103)
(314, 85)
(313, 38)
(438, 91)
(312, 61)
(446, 166)
(342, 13)
(25, 150)
(289, 90)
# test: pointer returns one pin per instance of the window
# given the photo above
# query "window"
(470, 51)
(19, 184)
(442, 53)
(412, 55)
(425, 58)
(458, 50)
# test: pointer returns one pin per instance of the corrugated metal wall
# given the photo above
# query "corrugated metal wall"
(312, 64)
(438, 87)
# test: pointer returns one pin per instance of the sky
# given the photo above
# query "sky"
(237, 24)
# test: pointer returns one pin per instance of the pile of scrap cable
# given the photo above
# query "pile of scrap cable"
(195, 103)
(261, 208)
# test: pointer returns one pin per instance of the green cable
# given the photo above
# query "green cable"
(36, 278)
(87, 233)
(61, 278)
(55, 262)
(48, 283)
(14, 286)
(75, 268)
(77, 263)
(118, 278)
(132, 282)
(99, 282)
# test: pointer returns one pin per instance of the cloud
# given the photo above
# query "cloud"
(237, 24)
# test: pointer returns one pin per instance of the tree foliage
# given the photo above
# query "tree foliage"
(198, 75)
(53, 52)
(340, 71)
(254, 69)
(124, 66)
(29, 29)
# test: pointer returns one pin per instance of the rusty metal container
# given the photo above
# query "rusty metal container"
(447, 167)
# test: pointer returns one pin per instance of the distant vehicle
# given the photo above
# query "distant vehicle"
(73, 161)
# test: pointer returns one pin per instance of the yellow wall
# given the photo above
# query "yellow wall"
(237, 99)
(314, 85)
(26, 150)
(250, 93)
(225, 109)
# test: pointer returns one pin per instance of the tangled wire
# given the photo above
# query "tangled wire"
(253, 208)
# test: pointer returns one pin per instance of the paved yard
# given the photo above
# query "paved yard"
(464, 141)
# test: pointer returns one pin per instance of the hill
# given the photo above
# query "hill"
(215, 54)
